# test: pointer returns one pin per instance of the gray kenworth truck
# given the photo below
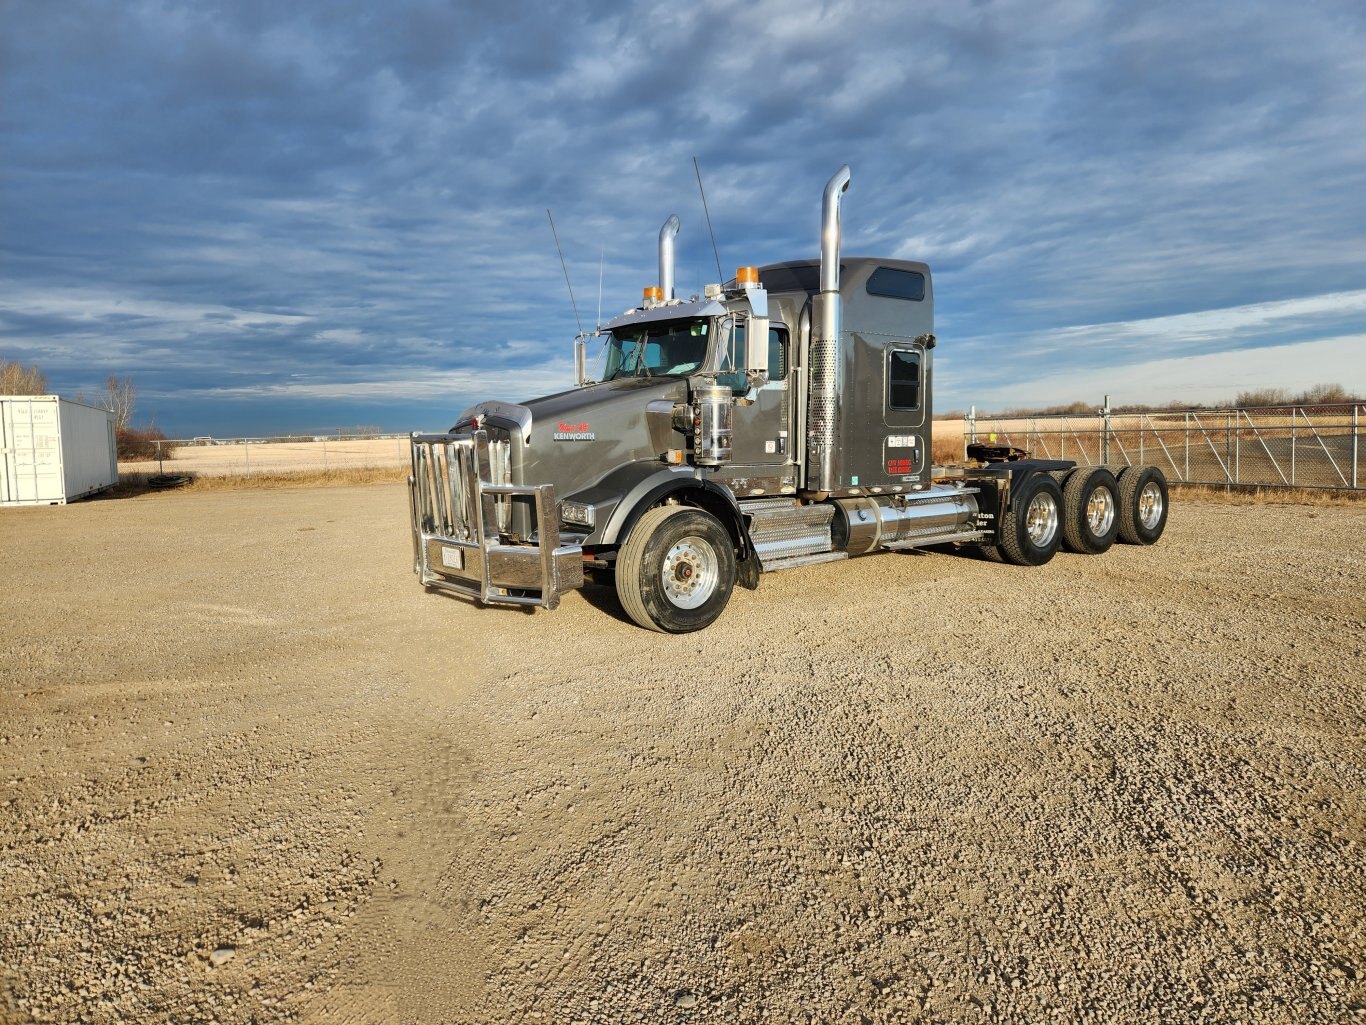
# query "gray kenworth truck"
(778, 420)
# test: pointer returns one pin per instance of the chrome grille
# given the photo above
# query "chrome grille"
(500, 472)
(461, 499)
(445, 472)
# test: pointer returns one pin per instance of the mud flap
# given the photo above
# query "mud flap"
(747, 572)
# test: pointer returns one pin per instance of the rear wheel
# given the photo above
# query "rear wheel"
(1090, 502)
(676, 571)
(1142, 505)
(1032, 533)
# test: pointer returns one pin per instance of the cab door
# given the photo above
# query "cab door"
(762, 461)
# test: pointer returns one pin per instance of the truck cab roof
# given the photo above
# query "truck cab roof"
(856, 272)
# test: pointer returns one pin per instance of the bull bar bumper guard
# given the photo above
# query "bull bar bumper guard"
(460, 516)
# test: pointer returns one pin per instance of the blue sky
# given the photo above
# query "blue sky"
(293, 217)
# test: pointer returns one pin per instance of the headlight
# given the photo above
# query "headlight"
(577, 513)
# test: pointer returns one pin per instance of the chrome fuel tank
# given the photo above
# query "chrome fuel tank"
(864, 524)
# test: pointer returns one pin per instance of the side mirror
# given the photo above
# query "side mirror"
(756, 350)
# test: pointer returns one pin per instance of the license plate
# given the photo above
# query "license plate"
(453, 558)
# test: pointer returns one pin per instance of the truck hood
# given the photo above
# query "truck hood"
(573, 438)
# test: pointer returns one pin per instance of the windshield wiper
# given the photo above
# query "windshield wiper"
(638, 359)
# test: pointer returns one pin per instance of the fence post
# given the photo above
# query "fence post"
(324, 455)
(1292, 445)
(1187, 475)
(1238, 448)
(1355, 440)
(1105, 432)
(246, 451)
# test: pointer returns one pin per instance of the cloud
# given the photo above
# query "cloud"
(1204, 355)
(214, 198)
(1213, 378)
(521, 382)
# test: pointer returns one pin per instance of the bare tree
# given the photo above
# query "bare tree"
(119, 397)
(1263, 397)
(1324, 393)
(17, 379)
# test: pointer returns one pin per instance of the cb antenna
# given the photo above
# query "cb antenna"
(602, 253)
(565, 267)
(719, 276)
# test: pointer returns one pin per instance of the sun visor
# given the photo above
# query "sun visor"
(667, 311)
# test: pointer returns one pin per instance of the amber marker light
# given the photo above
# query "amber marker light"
(747, 276)
(653, 293)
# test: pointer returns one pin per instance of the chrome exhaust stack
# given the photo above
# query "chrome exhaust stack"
(824, 412)
(666, 257)
(830, 230)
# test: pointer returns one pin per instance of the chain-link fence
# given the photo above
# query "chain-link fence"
(1275, 446)
(231, 456)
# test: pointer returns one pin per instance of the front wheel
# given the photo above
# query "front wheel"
(676, 571)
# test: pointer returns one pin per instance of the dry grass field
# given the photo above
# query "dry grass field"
(284, 457)
(253, 773)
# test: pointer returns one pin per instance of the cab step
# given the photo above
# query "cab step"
(787, 534)
(797, 562)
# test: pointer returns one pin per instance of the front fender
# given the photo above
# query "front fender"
(623, 495)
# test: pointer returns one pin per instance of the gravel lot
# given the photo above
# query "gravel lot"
(253, 773)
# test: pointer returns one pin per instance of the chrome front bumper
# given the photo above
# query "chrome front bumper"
(460, 501)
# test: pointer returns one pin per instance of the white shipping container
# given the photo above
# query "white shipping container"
(53, 450)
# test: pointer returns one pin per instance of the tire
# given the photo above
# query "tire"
(990, 553)
(1142, 505)
(1090, 505)
(676, 571)
(1033, 530)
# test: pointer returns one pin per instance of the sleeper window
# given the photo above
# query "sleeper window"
(903, 379)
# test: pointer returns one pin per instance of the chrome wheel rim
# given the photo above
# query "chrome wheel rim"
(1150, 505)
(1041, 520)
(1100, 511)
(690, 572)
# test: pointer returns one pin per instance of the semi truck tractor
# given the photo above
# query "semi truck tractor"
(778, 420)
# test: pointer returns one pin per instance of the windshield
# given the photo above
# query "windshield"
(655, 350)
